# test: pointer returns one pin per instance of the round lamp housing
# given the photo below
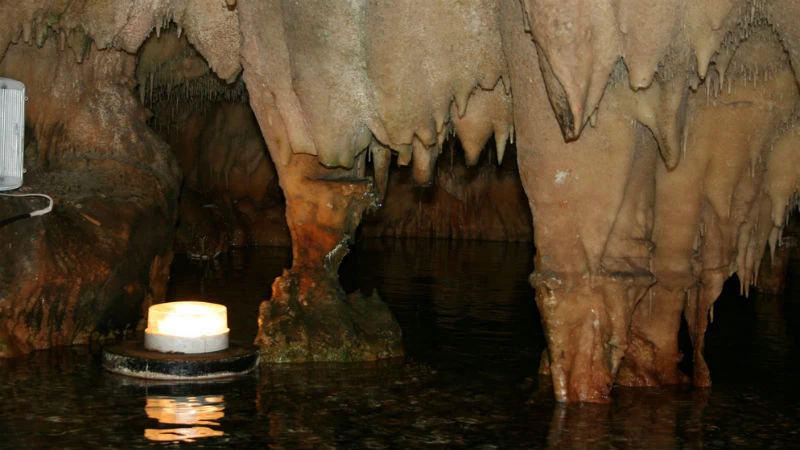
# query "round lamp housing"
(189, 327)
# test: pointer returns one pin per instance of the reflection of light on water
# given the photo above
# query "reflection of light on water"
(200, 410)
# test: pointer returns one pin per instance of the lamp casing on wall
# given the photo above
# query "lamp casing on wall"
(12, 133)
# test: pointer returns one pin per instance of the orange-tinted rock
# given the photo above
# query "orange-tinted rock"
(90, 268)
(309, 317)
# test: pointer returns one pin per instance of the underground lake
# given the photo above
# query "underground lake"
(469, 379)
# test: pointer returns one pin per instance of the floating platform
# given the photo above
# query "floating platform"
(133, 359)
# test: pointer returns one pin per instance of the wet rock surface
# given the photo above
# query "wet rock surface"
(314, 321)
(86, 271)
(89, 269)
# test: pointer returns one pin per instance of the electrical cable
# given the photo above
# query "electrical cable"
(38, 212)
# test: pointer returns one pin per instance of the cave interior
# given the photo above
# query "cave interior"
(648, 148)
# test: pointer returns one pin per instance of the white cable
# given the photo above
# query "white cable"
(38, 212)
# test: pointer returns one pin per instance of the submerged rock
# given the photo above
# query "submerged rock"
(305, 322)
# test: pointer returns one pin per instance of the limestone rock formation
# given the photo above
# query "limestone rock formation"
(483, 202)
(627, 245)
(91, 267)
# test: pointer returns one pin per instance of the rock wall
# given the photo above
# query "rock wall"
(485, 202)
(89, 269)
(230, 196)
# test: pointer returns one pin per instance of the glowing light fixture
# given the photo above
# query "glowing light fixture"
(187, 327)
(186, 340)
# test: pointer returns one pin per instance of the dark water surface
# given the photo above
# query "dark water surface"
(473, 340)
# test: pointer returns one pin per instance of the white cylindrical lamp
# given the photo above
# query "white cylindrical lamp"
(189, 327)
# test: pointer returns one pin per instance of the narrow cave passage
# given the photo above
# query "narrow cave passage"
(230, 195)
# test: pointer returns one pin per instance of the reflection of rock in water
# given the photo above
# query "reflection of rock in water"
(773, 348)
(666, 418)
(441, 309)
